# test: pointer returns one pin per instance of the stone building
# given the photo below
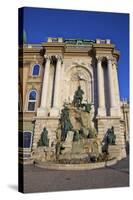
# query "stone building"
(49, 74)
(125, 115)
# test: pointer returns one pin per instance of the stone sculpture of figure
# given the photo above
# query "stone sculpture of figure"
(65, 123)
(44, 141)
(78, 97)
(111, 137)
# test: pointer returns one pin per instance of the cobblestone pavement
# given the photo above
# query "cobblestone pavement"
(42, 180)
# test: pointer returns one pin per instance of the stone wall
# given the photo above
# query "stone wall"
(103, 124)
(51, 125)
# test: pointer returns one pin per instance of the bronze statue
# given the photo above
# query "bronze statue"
(87, 107)
(76, 136)
(78, 97)
(111, 137)
(44, 141)
(65, 123)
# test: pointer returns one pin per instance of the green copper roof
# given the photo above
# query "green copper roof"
(79, 41)
(24, 37)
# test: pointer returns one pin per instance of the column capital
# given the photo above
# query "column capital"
(114, 61)
(47, 57)
(59, 58)
(110, 58)
(99, 58)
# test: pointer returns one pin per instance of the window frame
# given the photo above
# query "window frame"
(22, 132)
(34, 101)
(30, 141)
(33, 70)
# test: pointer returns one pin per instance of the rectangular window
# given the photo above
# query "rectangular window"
(31, 106)
(27, 140)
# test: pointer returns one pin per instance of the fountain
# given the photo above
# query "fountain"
(77, 145)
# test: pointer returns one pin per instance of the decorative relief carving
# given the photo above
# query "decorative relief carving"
(78, 62)
(78, 76)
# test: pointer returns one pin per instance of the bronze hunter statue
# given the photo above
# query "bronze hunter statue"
(78, 97)
(44, 141)
(111, 137)
(65, 123)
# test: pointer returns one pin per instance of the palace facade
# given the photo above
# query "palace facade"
(49, 75)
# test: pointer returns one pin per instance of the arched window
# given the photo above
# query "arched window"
(32, 100)
(36, 70)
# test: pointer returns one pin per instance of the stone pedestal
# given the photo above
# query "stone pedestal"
(51, 123)
(101, 112)
(114, 111)
(78, 147)
(103, 124)
(41, 112)
(54, 112)
(67, 145)
(114, 151)
(44, 154)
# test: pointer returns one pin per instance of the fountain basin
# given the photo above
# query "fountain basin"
(86, 166)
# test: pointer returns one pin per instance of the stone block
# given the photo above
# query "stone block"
(114, 151)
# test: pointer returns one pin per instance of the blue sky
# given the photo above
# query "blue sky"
(40, 23)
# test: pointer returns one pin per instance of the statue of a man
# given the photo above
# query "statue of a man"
(111, 137)
(44, 141)
(78, 96)
(65, 123)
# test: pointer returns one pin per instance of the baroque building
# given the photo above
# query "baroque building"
(49, 75)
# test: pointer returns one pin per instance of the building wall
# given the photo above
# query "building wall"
(125, 115)
(77, 58)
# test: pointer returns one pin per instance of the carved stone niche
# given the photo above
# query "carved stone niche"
(78, 75)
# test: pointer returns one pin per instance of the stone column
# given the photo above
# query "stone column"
(42, 111)
(101, 95)
(116, 81)
(114, 107)
(56, 96)
(111, 84)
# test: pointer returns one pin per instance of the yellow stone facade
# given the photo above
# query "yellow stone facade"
(50, 72)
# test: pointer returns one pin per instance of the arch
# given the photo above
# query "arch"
(88, 70)
(35, 70)
(79, 75)
(32, 99)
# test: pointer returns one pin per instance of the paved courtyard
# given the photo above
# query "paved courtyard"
(42, 180)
